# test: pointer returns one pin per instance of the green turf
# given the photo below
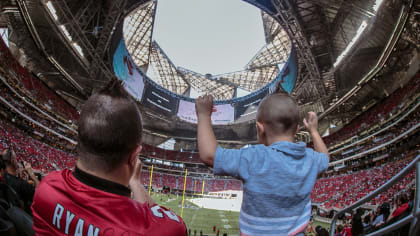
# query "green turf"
(203, 219)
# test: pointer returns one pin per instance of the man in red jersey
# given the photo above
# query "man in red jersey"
(94, 199)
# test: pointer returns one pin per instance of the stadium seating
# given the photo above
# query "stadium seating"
(42, 157)
(402, 126)
(34, 86)
(376, 114)
(159, 153)
(16, 101)
(343, 190)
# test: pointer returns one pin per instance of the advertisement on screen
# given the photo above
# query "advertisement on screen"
(222, 114)
(125, 70)
(159, 101)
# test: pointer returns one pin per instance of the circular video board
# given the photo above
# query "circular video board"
(152, 95)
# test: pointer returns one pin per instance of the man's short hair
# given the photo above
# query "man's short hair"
(280, 113)
(109, 128)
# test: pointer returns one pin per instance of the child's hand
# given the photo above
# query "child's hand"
(312, 124)
(204, 105)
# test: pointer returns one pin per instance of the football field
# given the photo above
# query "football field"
(197, 218)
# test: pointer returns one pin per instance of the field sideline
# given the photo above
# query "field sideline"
(203, 219)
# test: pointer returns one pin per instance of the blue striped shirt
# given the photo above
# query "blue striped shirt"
(278, 180)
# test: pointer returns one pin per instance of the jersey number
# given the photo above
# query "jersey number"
(157, 211)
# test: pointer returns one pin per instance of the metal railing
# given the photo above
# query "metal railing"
(412, 218)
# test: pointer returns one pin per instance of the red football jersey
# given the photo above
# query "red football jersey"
(63, 205)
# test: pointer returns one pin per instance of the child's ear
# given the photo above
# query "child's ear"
(260, 129)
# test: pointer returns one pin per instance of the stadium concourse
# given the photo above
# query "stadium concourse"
(354, 63)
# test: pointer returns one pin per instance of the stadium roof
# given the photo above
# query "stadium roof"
(148, 55)
(375, 65)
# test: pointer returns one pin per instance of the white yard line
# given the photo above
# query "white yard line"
(194, 216)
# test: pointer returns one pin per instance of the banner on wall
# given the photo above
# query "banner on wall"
(288, 74)
(222, 114)
(159, 101)
(126, 71)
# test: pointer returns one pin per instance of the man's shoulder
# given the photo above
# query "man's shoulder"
(56, 174)
(54, 177)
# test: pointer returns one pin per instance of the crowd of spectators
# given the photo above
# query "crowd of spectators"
(17, 102)
(34, 86)
(343, 190)
(36, 130)
(402, 126)
(364, 221)
(41, 156)
(377, 114)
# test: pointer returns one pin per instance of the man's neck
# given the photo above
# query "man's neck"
(113, 176)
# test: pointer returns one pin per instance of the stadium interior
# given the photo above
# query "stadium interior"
(355, 63)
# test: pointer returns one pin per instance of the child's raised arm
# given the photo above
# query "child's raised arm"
(312, 126)
(207, 143)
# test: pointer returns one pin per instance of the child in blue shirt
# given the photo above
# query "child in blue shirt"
(278, 174)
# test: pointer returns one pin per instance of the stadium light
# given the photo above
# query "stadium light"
(70, 39)
(52, 10)
(377, 5)
(352, 42)
(78, 49)
(66, 32)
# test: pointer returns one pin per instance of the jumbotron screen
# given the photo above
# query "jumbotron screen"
(126, 70)
(222, 114)
(159, 100)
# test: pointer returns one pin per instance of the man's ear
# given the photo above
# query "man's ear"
(135, 154)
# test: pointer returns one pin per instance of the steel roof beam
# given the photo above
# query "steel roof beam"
(112, 18)
(292, 23)
(98, 68)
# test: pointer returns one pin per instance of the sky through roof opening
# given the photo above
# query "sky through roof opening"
(209, 36)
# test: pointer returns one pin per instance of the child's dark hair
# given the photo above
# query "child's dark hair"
(280, 113)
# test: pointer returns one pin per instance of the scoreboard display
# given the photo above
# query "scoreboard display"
(222, 113)
(159, 100)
